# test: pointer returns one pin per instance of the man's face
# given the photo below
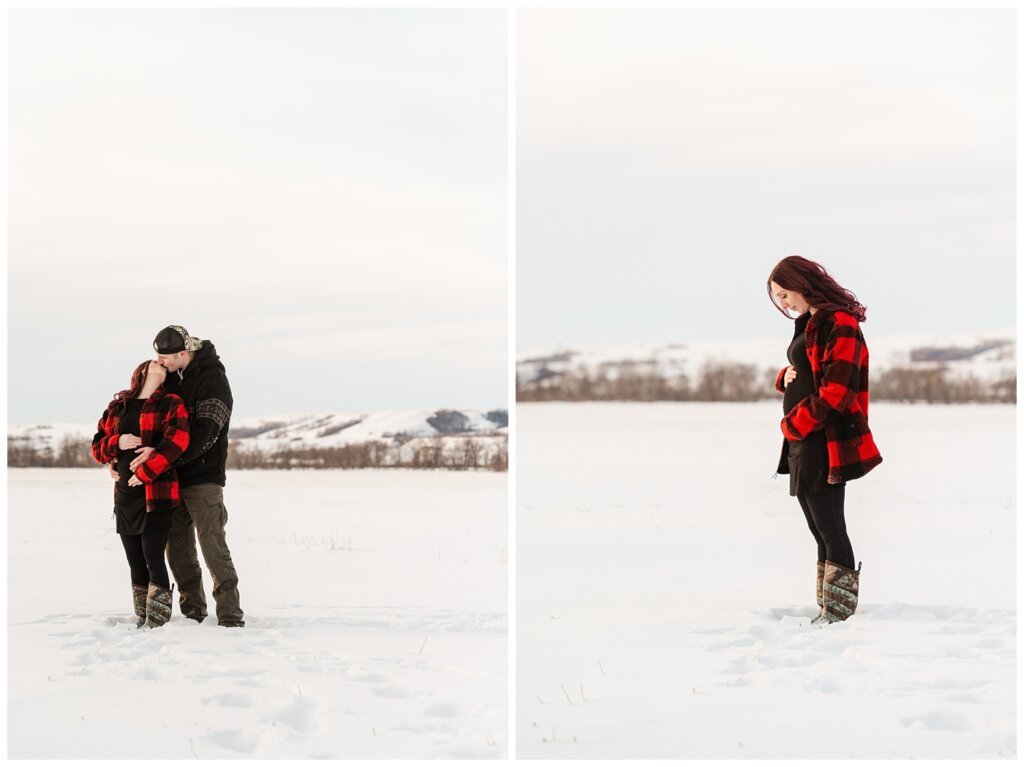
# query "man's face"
(172, 362)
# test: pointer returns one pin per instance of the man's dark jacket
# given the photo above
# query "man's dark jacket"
(203, 385)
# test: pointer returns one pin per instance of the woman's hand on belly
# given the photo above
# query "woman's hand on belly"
(128, 441)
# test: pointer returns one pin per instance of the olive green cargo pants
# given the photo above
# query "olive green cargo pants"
(204, 515)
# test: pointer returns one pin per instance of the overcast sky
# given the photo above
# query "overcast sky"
(667, 159)
(322, 193)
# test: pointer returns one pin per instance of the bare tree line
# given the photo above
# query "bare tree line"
(452, 453)
(463, 453)
(739, 382)
(73, 452)
(935, 385)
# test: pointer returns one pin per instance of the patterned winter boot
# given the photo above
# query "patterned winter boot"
(139, 602)
(840, 590)
(820, 617)
(158, 606)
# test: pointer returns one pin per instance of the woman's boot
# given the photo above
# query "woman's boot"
(158, 606)
(840, 590)
(139, 602)
(821, 602)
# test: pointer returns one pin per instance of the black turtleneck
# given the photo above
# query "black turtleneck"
(803, 385)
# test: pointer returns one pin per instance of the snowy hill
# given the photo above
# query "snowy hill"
(311, 429)
(408, 434)
(346, 428)
(987, 357)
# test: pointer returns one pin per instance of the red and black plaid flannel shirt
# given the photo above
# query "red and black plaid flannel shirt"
(839, 404)
(163, 424)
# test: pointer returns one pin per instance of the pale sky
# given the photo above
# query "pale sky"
(322, 193)
(667, 159)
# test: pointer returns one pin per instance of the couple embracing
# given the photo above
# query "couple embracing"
(165, 440)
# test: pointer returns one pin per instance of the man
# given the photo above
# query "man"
(195, 373)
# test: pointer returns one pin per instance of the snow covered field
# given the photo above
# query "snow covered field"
(375, 623)
(666, 581)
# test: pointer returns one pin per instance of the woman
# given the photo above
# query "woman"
(827, 441)
(144, 415)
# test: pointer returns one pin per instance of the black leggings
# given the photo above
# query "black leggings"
(146, 558)
(825, 517)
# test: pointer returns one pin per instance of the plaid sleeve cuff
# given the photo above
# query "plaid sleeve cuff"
(779, 385)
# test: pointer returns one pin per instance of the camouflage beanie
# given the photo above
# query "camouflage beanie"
(174, 339)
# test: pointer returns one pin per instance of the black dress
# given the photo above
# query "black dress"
(130, 502)
(808, 458)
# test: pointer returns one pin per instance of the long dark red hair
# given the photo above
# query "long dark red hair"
(138, 381)
(817, 286)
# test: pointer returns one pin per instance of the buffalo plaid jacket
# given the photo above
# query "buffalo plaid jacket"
(163, 424)
(839, 405)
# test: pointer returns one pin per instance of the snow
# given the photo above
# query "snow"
(666, 582)
(375, 609)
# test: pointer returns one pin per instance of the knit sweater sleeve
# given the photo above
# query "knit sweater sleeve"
(211, 414)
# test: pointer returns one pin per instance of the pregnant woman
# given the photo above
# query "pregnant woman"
(144, 415)
(827, 441)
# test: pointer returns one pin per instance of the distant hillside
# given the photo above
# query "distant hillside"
(919, 368)
(448, 439)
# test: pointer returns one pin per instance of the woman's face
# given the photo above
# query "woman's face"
(789, 299)
(156, 373)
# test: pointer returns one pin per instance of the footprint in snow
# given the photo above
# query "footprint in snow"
(148, 675)
(366, 677)
(80, 642)
(303, 714)
(791, 614)
(443, 710)
(390, 692)
(963, 697)
(237, 673)
(939, 720)
(229, 700)
(957, 684)
(743, 641)
(241, 741)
